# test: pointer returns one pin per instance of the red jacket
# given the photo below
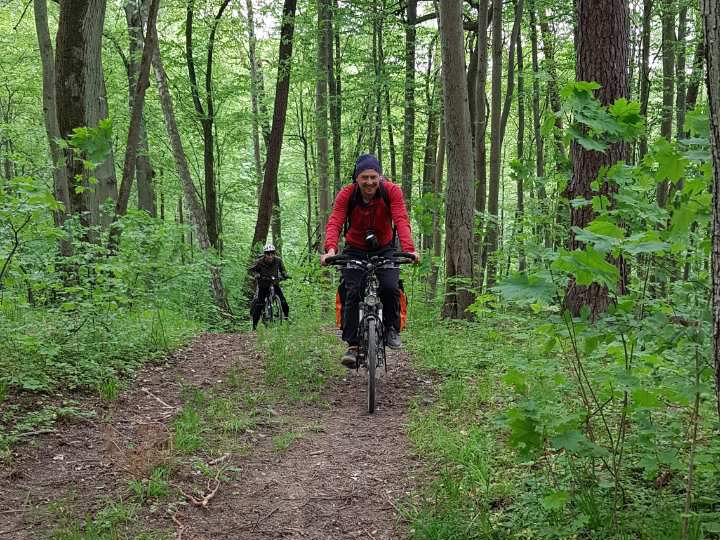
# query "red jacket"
(375, 215)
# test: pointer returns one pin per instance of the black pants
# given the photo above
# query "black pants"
(355, 286)
(263, 291)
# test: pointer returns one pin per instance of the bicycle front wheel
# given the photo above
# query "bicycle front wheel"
(277, 310)
(371, 361)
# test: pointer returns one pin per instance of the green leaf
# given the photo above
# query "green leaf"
(521, 287)
(556, 500)
(671, 163)
(587, 266)
(586, 142)
(645, 398)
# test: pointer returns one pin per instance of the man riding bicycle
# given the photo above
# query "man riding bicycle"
(268, 269)
(367, 209)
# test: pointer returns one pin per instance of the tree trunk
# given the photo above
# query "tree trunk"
(282, 89)
(645, 73)
(143, 168)
(436, 218)
(60, 184)
(697, 71)
(143, 78)
(711, 26)
(552, 89)
(667, 16)
(386, 100)
(207, 117)
(193, 204)
(71, 89)
(680, 100)
(431, 137)
(480, 132)
(254, 97)
(409, 131)
(377, 147)
(601, 56)
(498, 124)
(333, 69)
(460, 203)
(520, 212)
(321, 115)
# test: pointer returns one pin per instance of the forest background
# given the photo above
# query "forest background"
(559, 160)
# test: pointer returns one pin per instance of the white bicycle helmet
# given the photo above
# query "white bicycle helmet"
(269, 249)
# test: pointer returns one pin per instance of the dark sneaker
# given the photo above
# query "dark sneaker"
(349, 359)
(392, 338)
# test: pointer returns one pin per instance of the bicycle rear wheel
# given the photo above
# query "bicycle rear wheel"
(371, 360)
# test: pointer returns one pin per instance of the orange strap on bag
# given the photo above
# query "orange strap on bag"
(338, 310)
(403, 309)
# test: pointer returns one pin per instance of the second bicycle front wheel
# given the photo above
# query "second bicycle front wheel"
(371, 360)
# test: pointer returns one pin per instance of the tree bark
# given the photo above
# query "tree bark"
(321, 115)
(60, 184)
(460, 202)
(645, 73)
(409, 131)
(601, 56)
(667, 16)
(333, 69)
(436, 217)
(191, 201)
(552, 89)
(681, 97)
(711, 26)
(207, 118)
(143, 168)
(480, 130)
(697, 71)
(498, 123)
(431, 136)
(254, 94)
(134, 129)
(282, 89)
(520, 212)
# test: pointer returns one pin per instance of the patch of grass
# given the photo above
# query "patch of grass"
(107, 524)
(188, 428)
(300, 358)
(109, 389)
(283, 441)
(154, 487)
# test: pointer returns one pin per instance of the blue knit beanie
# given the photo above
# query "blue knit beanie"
(365, 162)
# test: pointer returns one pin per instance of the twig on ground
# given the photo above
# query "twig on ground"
(180, 526)
(260, 520)
(369, 535)
(37, 432)
(219, 460)
(160, 401)
(207, 498)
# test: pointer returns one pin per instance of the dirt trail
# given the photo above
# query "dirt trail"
(344, 475)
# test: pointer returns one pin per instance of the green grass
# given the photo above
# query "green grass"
(300, 357)
(283, 441)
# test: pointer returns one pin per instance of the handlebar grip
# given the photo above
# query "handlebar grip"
(337, 259)
(403, 255)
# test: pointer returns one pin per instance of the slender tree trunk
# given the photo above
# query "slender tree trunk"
(386, 100)
(497, 130)
(697, 71)
(520, 212)
(680, 100)
(436, 217)
(480, 130)
(552, 89)
(333, 69)
(645, 73)
(143, 168)
(431, 138)
(143, 80)
(409, 130)
(321, 115)
(60, 184)
(460, 203)
(711, 26)
(667, 16)
(254, 96)
(193, 204)
(601, 56)
(282, 90)
(377, 146)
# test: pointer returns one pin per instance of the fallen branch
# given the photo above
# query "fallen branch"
(219, 460)
(181, 527)
(160, 401)
(202, 503)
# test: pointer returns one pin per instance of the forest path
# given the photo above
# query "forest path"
(266, 466)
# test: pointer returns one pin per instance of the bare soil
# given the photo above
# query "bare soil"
(345, 473)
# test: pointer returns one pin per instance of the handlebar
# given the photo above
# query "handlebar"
(399, 257)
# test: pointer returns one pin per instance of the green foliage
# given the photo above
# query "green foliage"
(154, 487)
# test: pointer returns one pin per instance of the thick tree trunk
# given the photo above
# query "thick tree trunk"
(321, 115)
(282, 89)
(143, 168)
(711, 25)
(601, 56)
(645, 73)
(460, 202)
(60, 185)
(191, 201)
(409, 131)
